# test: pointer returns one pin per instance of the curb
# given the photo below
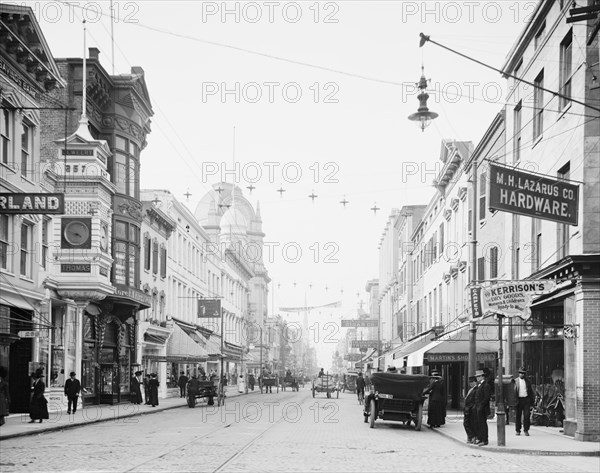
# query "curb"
(56, 428)
(522, 451)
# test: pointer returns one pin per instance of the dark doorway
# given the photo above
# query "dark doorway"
(19, 358)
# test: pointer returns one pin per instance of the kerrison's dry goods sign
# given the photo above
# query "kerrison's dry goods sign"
(513, 298)
(528, 194)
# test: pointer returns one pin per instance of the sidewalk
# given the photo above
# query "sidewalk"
(17, 425)
(541, 441)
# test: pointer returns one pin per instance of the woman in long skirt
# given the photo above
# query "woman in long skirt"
(436, 412)
(153, 389)
(38, 406)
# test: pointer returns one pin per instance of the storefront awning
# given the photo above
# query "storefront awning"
(412, 345)
(155, 338)
(181, 345)
(453, 346)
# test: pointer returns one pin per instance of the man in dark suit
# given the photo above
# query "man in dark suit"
(182, 383)
(72, 389)
(469, 410)
(483, 394)
(525, 398)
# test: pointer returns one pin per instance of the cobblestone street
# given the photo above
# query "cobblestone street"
(272, 432)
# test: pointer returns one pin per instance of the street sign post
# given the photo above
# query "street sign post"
(32, 334)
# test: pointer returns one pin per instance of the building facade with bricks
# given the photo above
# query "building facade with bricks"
(559, 138)
(93, 155)
(28, 73)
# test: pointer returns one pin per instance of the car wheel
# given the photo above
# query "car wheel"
(419, 419)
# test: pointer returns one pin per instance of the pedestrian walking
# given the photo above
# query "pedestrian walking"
(182, 383)
(72, 390)
(469, 410)
(251, 381)
(147, 389)
(241, 384)
(482, 408)
(136, 388)
(436, 410)
(4, 395)
(524, 397)
(38, 405)
(153, 390)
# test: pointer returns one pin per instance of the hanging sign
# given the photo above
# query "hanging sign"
(529, 194)
(513, 298)
(209, 308)
(360, 322)
(475, 298)
(364, 344)
(31, 203)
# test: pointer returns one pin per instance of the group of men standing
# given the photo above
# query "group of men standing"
(477, 409)
(477, 406)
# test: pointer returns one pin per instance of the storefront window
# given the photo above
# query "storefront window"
(57, 352)
(88, 373)
(88, 357)
(125, 371)
(107, 379)
(70, 341)
(172, 374)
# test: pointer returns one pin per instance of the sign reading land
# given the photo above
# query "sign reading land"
(528, 194)
(31, 203)
(360, 322)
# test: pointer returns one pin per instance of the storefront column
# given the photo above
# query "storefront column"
(79, 307)
(587, 307)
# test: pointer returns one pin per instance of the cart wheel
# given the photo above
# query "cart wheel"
(419, 419)
(372, 414)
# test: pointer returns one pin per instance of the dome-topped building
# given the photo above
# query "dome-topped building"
(235, 228)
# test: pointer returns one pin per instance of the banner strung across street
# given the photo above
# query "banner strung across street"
(528, 194)
(209, 308)
(512, 298)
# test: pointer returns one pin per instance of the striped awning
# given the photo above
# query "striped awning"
(182, 348)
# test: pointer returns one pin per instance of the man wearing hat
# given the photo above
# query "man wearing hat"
(72, 389)
(469, 410)
(525, 398)
(483, 393)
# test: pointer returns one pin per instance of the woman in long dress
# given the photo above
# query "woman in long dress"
(436, 412)
(153, 390)
(38, 406)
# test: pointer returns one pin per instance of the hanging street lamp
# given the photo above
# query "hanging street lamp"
(422, 116)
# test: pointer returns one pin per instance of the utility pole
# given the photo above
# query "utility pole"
(473, 271)
(500, 412)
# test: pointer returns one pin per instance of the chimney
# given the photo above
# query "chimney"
(94, 53)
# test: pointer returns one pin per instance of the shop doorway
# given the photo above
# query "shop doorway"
(20, 354)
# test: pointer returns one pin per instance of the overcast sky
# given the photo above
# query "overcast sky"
(320, 87)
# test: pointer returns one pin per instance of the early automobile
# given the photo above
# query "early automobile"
(396, 397)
